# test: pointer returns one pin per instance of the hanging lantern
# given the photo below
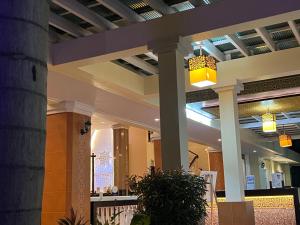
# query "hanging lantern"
(203, 71)
(269, 122)
(285, 140)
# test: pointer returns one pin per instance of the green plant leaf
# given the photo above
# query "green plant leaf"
(140, 219)
(72, 220)
(170, 197)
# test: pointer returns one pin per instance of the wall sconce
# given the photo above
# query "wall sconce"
(86, 128)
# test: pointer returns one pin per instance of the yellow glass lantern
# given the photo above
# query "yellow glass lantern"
(269, 122)
(203, 71)
(285, 140)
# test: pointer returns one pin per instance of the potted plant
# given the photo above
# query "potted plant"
(170, 197)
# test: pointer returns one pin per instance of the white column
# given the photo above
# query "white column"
(173, 122)
(231, 144)
(254, 168)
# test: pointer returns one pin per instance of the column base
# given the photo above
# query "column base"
(236, 213)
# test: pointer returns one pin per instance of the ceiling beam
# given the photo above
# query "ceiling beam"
(134, 60)
(253, 35)
(122, 10)
(212, 50)
(160, 6)
(67, 26)
(277, 64)
(53, 36)
(279, 122)
(86, 14)
(264, 34)
(195, 2)
(236, 42)
(218, 22)
(151, 56)
(163, 8)
(295, 30)
(99, 22)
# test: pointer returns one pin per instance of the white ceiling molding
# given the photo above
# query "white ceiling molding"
(71, 106)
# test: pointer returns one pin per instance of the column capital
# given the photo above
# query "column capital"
(71, 106)
(170, 44)
(237, 88)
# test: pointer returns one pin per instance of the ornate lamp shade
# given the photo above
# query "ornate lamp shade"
(203, 71)
(269, 122)
(285, 140)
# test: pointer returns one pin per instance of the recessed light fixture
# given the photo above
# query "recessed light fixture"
(156, 119)
(219, 140)
(254, 151)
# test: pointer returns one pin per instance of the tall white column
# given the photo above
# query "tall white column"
(173, 122)
(231, 144)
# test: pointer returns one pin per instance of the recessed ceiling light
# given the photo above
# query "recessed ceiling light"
(254, 151)
(156, 119)
(219, 139)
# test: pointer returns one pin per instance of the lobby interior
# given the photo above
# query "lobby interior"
(119, 87)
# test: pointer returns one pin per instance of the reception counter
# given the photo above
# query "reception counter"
(271, 207)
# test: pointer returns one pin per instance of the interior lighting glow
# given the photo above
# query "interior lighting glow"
(198, 117)
(285, 141)
(203, 71)
(94, 135)
(269, 122)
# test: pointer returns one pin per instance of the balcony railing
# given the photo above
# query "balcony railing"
(104, 209)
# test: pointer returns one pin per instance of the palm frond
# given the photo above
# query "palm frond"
(72, 220)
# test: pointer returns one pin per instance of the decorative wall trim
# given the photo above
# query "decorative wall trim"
(250, 88)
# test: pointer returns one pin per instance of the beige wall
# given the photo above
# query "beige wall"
(203, 161)
(150, 154)
(138, 144)
(276, 167)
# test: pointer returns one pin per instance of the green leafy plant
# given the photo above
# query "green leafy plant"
(140, 219)
(170, 197)
(72, 220)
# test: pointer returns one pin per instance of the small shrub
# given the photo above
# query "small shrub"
(170, 197)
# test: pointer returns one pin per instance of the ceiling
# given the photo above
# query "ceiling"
(71, 19)
(285, 109)
(278, 106)
(101, 122)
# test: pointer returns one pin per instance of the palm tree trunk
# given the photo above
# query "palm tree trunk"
(23, 102)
